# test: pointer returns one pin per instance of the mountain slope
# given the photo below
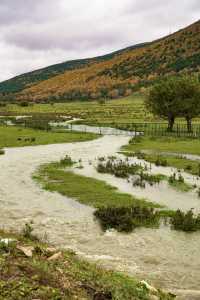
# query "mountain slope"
(114, 75)
(23, 81)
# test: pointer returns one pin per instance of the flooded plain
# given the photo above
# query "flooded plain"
(166, 258)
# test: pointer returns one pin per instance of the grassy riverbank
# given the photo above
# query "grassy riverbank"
(121, 211)
(13, 136)
(30, 269)
(159, 151)
(86, 190)
(165, 144)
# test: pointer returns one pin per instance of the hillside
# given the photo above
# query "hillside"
(114, 75)
(23, 81)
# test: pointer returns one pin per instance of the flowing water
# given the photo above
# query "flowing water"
(166, 258)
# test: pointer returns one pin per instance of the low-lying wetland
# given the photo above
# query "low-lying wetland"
(122, 212)
(161, 256)
(140, 174)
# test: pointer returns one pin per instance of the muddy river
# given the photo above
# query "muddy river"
(166, 258)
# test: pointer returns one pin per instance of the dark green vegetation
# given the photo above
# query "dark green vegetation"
(2, 151)
(119, 168)
(112, 76)
(176, 97)
(124, 169)
(177, 181)
(185, 221)
(49, 273)
(126, 219)
(19, 137)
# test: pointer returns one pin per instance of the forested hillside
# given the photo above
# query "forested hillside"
(114, 75)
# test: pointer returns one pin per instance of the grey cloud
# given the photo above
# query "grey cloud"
(20, 11)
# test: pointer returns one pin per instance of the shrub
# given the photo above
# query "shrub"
(66, 161)
(27, 232)
(126, 219)
(185, 221)
(24, 104)
(118, 168)
(2, 151)
(160, 161)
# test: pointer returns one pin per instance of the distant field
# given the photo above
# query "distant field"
(19, 137)
(124, 110)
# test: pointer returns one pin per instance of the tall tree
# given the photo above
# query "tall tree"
(188, 95)
(162, 101)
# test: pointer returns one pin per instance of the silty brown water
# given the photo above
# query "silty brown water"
(166, 258)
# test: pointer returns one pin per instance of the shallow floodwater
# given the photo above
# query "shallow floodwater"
(165, 258)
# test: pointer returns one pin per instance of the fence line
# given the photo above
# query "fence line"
(149, 129)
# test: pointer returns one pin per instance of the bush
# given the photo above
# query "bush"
(66, 161)
(24, 104)
(126, 219)
(2, 151)
(185, 221)
(160, 161)
(27, 232)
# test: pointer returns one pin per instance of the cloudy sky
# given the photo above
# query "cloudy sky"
(37, 33)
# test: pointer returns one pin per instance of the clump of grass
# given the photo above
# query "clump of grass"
(139, 155)
(177, 181)
(123, 169)
(135, 140)
(126, 219)
(118, 168)
(2, 151)
(185, 221)
(27, 232)
(66, 161)
(160, 161)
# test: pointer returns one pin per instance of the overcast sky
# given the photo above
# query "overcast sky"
(38, 33)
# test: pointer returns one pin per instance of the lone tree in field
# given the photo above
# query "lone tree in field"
(188, 94)
(176, 97)
(162, 101)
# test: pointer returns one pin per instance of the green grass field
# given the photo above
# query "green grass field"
(165, 144)
(19, 137)
(120, 111)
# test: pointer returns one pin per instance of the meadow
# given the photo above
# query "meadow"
(13, 136)
(116, 113)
